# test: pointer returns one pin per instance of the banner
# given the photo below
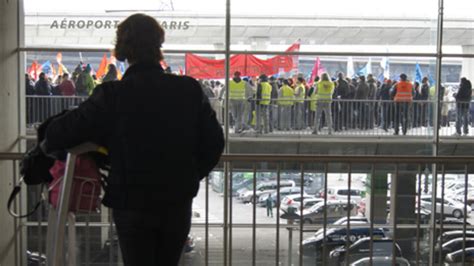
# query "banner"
(248, 65)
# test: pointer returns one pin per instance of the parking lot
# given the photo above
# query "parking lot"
(242, 233)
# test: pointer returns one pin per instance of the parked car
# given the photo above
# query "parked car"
(381, 261)
(459, 196)
(334, 210)
(292, 203)
(313, 246)
(354, 220)
(450, 235)
(451, 207)
(453, 245)
(455, 258)
(262, 199)
(263, 187)
(361, 248)
(296, 177)
(341, 193)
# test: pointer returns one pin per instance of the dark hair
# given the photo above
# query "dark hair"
(300, 79)
(139, 38)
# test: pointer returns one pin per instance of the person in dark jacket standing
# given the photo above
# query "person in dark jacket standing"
(385, 105)
(362, 94)
(153, 180)
(463, 100)
(42, 86)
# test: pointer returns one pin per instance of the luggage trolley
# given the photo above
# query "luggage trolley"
(58, 217)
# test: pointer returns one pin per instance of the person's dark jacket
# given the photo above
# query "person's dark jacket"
(464, 94)
(372, 95)
(29, 86)
(384, 93)
(160, 146)
(342, 89)
(425, 91)
(42, 87)
(362, 91)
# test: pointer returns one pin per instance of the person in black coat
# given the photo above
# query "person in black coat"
(42, 86)
(463, 99)
(160, 146)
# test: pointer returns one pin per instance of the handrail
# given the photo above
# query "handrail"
(318, 158)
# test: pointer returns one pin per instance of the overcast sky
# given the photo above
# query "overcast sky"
(392, 8)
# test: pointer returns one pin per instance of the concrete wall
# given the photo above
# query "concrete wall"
(9, 124)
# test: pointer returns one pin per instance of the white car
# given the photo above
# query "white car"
(450, 206)
(262, 200)
(292, 203)
(263, 187)
(341, 193)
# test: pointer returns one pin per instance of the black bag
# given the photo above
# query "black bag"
(34, 168)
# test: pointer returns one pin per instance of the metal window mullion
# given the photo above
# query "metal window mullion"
(231, 174)
(372, 207)
(441, 222)
(418, 216)
(432, 243)
(301, 215)
(348, 224)
(226, 213)
(254, 216)
(439, 97)
(466, 177)
(277, 262)
(393, 214)
(325, 213)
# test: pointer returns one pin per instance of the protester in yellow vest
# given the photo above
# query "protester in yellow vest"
(403, 91)
(300, 91)
(312, 103)
(264, 91)
(286, 99)
(325, 89)
(237, 100)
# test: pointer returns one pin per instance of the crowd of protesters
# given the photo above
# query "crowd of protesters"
(80, 83)
(266, 104)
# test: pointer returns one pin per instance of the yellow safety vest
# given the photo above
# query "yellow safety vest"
(287, 96)
(266, 93)
(432, 93)
(325, 91)
(237, 90)
(300, 89)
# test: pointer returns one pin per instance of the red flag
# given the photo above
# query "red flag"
(248, 65)
(102, 67)
(181, 72)
(318, 69)
(34, 69)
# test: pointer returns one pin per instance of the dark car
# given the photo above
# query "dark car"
(456, 257)
(313, 246)
(453, 245)
(450, 235)
(380, 248)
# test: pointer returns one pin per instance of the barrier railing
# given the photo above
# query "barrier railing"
(322, 210)
(369, 118)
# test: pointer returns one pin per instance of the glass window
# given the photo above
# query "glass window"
(336, 26)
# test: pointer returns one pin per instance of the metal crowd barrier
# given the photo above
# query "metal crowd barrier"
(394, 197)
(348, 117)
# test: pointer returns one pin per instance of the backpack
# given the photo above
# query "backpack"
(35, 168)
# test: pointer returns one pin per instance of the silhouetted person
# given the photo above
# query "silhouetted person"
(152, 180)
(111, 74)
